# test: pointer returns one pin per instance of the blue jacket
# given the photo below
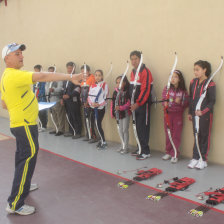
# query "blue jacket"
(41, 95)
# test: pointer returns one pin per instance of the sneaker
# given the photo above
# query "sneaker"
(24, 210)
(33, 187)
(201, 165)
(135, 153)
(9, 210)
(68, 135)
(42, 129)
(102, 146)
(142, 156)
(166, 157)
(52, 132)
(124, 151)
(59, 133)
(93, 140)
(192, 163)
(174, 160)
(119, 150)
(86, 139)
(98, 144)
(76, 136)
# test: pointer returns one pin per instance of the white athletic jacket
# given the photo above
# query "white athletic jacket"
(98, 93)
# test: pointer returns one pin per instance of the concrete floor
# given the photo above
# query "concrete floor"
(111, 161)
(71, 192)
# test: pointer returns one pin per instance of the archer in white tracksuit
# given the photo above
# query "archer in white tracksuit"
(98, 93)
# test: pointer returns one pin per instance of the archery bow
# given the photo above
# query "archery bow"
(166, 113)
(66, 86)
(85, 109)
(198, 107)
(49, 95)
(110, 71)
(117, 112)
(133, 101)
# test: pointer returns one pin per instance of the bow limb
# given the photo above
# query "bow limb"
(213, 75)
(110, 71)
(116, 104)
(138, 70)
(123, 76)
(50, 85)
(84, 74)
(172, 71)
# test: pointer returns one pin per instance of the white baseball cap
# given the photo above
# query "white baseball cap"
(11, 48)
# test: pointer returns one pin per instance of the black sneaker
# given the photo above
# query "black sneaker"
(52, 132)
(59, 133)
(142, 156)
(76, 136)
(135, 153)
(93, 140)
(68, 135)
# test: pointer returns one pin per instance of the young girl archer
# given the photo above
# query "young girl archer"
(123, 108)
(98, 93)
(202, 71)
(178, 101)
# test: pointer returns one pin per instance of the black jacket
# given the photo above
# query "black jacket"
(72, 90)
(196, 90)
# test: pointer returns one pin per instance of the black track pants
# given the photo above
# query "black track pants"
(25, 160)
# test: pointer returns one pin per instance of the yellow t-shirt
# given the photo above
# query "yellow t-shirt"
(21, 102)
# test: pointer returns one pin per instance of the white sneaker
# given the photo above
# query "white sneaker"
(166, 157)
(192, 163)
(174, 160)
(33, 187)
(9, 210)
(42, 129)
(201, 165)
(24, 210)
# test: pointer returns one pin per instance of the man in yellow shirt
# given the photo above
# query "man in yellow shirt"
(21, 103)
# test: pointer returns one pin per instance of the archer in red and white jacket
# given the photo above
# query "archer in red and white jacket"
(141, 106)
(144, 85)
